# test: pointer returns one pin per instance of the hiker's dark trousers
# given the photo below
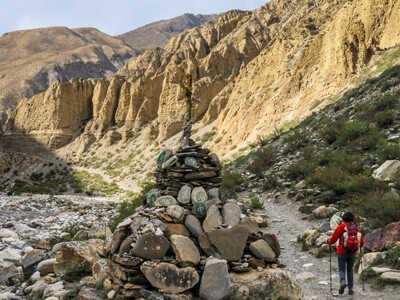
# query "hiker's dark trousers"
(346, 263)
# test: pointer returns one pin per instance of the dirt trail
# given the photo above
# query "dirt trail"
(286, 221)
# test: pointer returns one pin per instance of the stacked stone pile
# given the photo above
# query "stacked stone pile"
(189, 236)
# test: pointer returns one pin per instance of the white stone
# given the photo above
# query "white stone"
(7, 233)
(125, 223)
(11, 255)
(35, 277)
(28, 249)
(308, 265)
(305, 276)
(110, 295)
(387, 170)
(52, 289)
(391, 276)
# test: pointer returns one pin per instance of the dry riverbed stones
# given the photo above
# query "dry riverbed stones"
(187, 239)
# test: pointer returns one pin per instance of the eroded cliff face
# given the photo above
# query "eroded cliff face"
(253, 72)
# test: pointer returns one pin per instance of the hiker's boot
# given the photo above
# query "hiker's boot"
(343, 285)
(351, 291)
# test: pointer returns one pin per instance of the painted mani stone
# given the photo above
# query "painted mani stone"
(191, 162)
(199, 210)
(169, 162)
(152, 196)
(165, 201)
(199, 195)
(184, 194)
(164, 155)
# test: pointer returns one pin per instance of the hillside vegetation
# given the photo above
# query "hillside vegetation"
(333, 153)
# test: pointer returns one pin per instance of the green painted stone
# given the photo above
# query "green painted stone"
(199, 195)
(176, 211)
(169, 162)
(165, 201)
(191, 162)
(199, 210)
(184, 194)
(152, 196)
(164, 155)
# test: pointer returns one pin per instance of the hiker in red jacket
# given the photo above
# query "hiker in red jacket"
(350, 240)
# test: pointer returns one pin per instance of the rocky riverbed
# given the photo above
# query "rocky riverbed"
(30, 226)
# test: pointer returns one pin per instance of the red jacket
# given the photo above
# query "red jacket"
(338, 234)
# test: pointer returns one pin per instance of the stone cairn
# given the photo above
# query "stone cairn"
(188, 236)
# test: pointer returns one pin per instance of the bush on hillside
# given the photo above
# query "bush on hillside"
(231, 179)
(388, 151)
(263, 159)
(379, 208)
(301, 169)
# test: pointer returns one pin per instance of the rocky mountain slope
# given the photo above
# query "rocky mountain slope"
(157, 34)
(31, 60)
(253, 72)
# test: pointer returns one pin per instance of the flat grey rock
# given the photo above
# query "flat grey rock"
(168, 278)
(213, 219)
(215, 281)
(231, 214)
(262, 250)
(151, 246)
(194, 226)
(185, 250)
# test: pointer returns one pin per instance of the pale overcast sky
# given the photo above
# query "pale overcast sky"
(110, 16)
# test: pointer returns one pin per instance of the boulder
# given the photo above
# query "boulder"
(215, 281)
(213, 219)
(151, 246)
(324, 212)
(206, 245)
(53, 289)
(74, 257)
(250, 223)
(47, 266)
(185, 250)
(273, 242)
(391, 276)
(268, 284)
(229, 242)
(231, 214)
(100, 271)
(387, 170)
(32, 258)
(168, 278)
(193, 225)
(262, 250)
(371, 259)
(38, 288)
(11, 255)
(381, 238)
(9, 273)
(90, 294)
(7, 233)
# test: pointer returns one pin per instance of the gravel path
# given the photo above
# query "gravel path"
(287, 222)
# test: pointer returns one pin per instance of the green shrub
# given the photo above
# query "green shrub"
(388, 150)
(256, 203)
(125, 209)
(384, 119)
(351, 131)
(301, 169)
(271, 182)
(378, 207)
(263, 159)
(231, 179)
(296, 140)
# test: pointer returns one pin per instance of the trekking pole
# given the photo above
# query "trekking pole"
(362, 271)
(330, 270)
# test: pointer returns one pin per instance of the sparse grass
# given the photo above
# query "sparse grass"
(208, 136)
(256, 203)
(231, 179)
